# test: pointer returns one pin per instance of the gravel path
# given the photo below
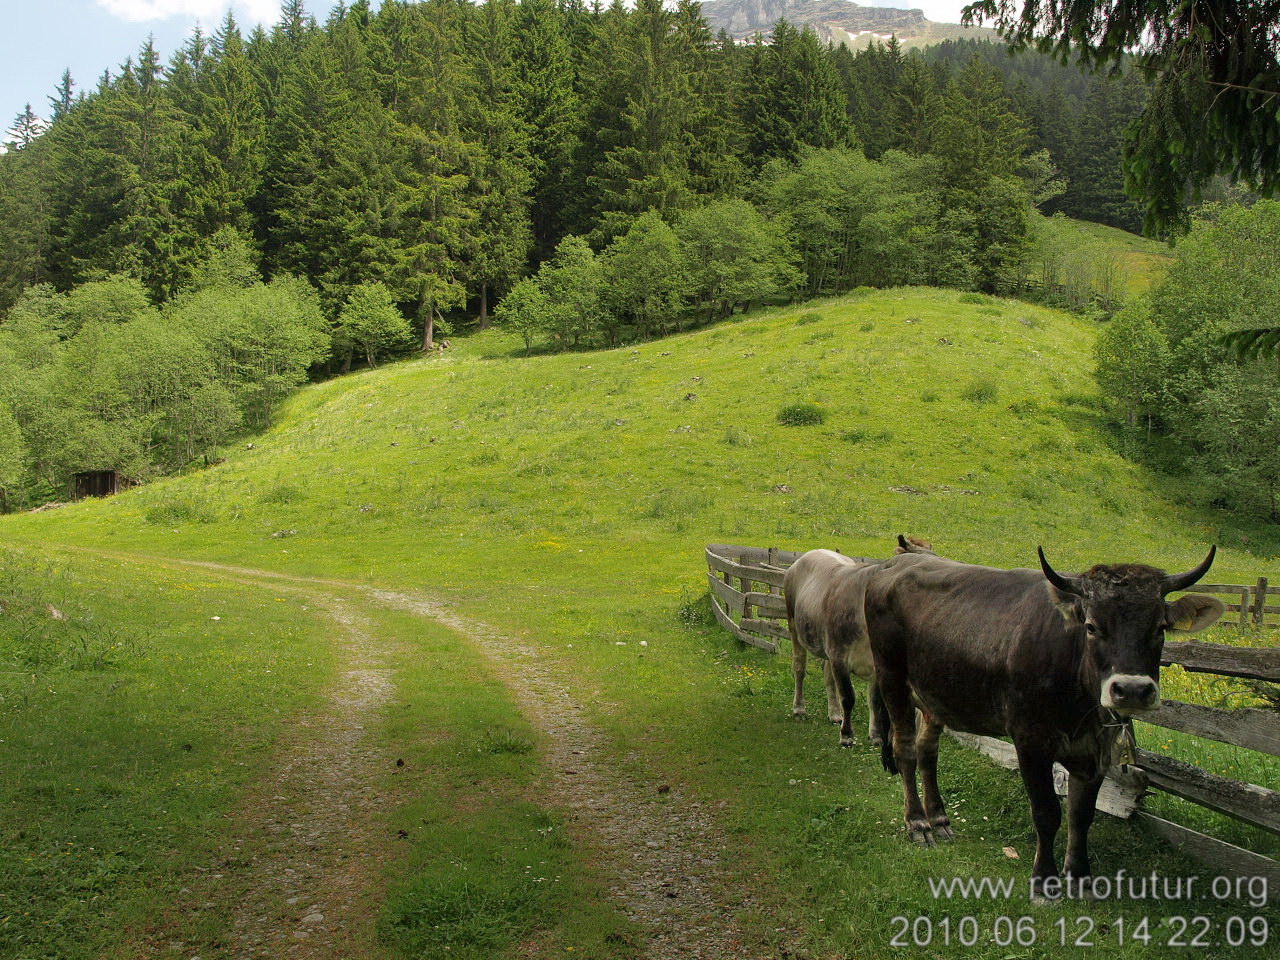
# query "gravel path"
(308, 850)
(311, 859)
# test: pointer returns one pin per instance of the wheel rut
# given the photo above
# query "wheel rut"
(310, 889)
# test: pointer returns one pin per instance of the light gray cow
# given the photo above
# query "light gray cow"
(824, 592)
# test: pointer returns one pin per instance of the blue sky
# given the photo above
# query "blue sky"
(42, 37)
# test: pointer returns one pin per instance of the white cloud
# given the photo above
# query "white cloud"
(208, 11)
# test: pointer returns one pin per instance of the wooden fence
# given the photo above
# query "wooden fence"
(754, 611)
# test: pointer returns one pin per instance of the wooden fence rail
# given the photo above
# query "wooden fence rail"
(760, 610)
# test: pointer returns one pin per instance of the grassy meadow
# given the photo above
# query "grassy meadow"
(1140, 259)
(565, 500)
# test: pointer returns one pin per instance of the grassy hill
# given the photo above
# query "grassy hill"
(565, 500)
(1141, 259)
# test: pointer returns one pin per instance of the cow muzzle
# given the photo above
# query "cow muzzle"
(1130, 693)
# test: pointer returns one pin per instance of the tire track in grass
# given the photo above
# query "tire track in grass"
(665, 860)
(308, 853)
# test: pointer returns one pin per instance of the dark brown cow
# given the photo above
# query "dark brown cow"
(823, 591)
(1053, 661)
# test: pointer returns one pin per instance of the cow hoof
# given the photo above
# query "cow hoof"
(1080, 887)
(943, 831)
(877, 742)
(1040, 897)
(846, 741)
(799, 713)
(920, 832)
(837, 720)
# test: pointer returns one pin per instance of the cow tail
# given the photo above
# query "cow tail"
(887, 759)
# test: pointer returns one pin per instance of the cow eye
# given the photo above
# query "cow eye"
(1090, 627)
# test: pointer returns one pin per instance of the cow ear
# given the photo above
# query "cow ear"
(1069, 605)
(1194, 612)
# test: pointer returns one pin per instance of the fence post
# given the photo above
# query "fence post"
(1260, 602)
(773, 562)
(746, 588)
(1244, 607)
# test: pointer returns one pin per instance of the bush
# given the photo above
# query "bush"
(801, 415)
(972, 298)
(867, 326)
(811, 317)
(981, 391)
(170, 512)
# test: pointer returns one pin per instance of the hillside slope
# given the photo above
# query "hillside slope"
(564, 501)
(965, 418)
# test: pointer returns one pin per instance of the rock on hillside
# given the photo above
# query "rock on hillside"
(836, 21)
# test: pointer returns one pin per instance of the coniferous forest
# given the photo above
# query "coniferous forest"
(586, 175)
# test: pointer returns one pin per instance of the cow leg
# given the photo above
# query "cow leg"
(877, 717)
(1036, 766)
(847, 699)
(834, 713)
(902, 719)
(799, 659)
(927, 754)
(1082, 801)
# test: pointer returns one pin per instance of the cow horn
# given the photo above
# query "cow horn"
(1065, 584)
(903, 545)
(1180, 581)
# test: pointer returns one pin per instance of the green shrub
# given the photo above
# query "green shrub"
(281, 493)
(929, 396)
(972, 298)
(167, 513)
(867, 326)
(801, 415)
(811, 317)
(981, 391)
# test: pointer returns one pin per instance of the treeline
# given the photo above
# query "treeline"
(597, 174)
(100, 378)
(1182, 398)
(1079, 117)
(443, 148)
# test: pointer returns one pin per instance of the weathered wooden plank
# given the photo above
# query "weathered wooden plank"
(768, 603)
(1259, 600)
(1244, 801)
(1222, 856)
(760, 574)
(749, 554)
(1119, 795)
(1247, 727)
(1252, 662)
(727, 622)
(1221, 587)
(770, 627)
(731, 597)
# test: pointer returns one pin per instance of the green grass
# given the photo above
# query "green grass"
(118, 769)
(566, 499)
(1142, 260)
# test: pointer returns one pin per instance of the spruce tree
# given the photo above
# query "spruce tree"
(548, 104)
